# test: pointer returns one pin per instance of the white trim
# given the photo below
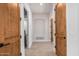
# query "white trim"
(29, 37)
(22, 29)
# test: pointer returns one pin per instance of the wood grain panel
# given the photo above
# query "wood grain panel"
(10, 29)
(61, 29)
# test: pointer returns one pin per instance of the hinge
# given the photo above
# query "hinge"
(20, 36)
(20, 54)
(55, 21)
(55, 46)
(54, 9)
(55, 34)
(20, 18)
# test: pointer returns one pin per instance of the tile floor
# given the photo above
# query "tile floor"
(41, 49)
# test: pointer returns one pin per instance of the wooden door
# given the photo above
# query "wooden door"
(61, 29)
(9, 29)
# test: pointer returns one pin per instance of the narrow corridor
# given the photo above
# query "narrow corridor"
(41, 49)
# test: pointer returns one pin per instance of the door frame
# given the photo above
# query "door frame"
(22, 29)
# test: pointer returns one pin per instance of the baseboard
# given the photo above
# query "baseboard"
(41, 40)
(29, 45)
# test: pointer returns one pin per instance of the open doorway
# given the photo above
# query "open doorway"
(41, 36)
(43, 18)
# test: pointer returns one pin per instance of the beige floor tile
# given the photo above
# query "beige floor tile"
(41, 49)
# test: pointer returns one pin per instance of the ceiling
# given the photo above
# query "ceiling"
(44, 8)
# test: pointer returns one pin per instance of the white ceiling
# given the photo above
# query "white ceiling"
(37, 8)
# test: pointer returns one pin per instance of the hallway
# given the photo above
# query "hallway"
(28, 29)
(41, 49)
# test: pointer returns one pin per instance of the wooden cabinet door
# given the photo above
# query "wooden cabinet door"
(9, 29)
(61, 29)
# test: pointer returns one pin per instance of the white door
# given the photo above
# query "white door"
(40, 30)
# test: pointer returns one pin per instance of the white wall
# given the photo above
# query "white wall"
(41, 30)
(72, 10)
